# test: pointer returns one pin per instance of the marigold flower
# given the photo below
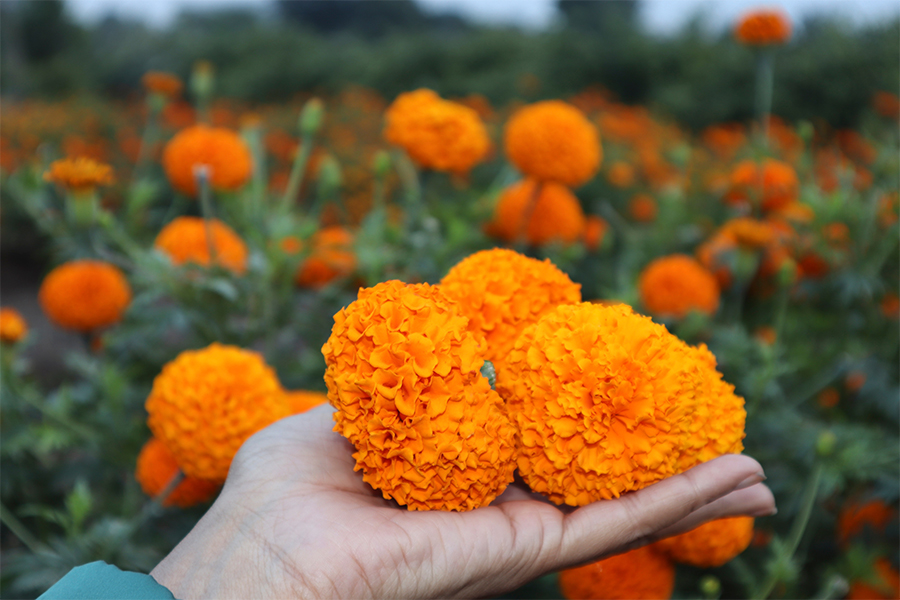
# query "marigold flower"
(620, 174)
(12, 326)
(184, 240)
(206, 403)
(766, 335)
(854, 381)
(155, 469)
(85, 295)
(855, 517)
(332, 257)
(164, 84)
(829, 398)
(437, 134)
(555, 215)
(603, 399)
(80, 175)
(553, 141)
(884, 585)
(796, 212)
(712, 544)
(677, 284)
(221, 150)
(642, 208)
(763, 27)
(890, 306)
(714, 254)
(837, 234)
(725, 139)
(773, 184)
(639, 574)
(812, 266)
(887, 105)
(749, 233)
(300, 401)
(501, 292)
(403, 374)
(595, 229)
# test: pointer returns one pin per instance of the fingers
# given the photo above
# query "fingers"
(611, 526)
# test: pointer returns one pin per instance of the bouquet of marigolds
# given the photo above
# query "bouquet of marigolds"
(574, 293)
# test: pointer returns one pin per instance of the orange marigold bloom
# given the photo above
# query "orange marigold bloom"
(725, 139)
(221, 150)
(640, 574)
(854, 381)
(553, 141)
(714, 255)
(501, 292)
(403, 372)
(884, 585)
(773, 184)
(621, 174)
(165, 84)
(603, 399)
(677, 284)
(300, 401)
(595, 229)
(712, 544)
(436, 133)
(887, 209)
(766, 335)
(795, 212)
(206, 403)
(184, 240)
(85, 295)
(749, 233)
(155, 469)
(79, 174)
(837, 234)
(763, 27)
(855, 517)
(812, 266)
(887, 105)
(555, 215)
(890, 306)
(642, 208)
(332, 257)
(12, 326)
(829, 397)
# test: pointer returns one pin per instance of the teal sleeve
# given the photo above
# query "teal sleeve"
(100, 581)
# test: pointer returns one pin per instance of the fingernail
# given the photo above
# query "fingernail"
(752, 480)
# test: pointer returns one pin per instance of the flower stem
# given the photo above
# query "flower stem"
(297, 171)
(764, 90)
(19, 530)
(202, 175)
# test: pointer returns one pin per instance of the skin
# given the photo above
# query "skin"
(295, 521)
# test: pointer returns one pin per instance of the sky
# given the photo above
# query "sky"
(660, 16)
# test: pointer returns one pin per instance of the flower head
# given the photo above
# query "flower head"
(164, 84)
(677, 284)
(763, 27)
(206, 403)
(748, 232)
(85, 295)
(437, 134)
(332, 257)
(712, 544)
(855, 517)
(883, 585)
(501, 292)
(603, 400)
(184, 240)
(155, 469)
(595, 229)
(555, 215)
(12, 326)
(403, 372)
(639, 574)
(773, 185)
(620, 174)
(642, 208)
(221, 150)
(300, 401)
(79, 174)
(553, 141)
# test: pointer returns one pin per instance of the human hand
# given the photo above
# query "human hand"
(295, 520)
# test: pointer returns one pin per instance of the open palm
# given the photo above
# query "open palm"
(295, 520)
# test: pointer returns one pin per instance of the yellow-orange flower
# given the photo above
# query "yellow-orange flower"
(553, 141)
(155, 469)
(677, 284)
(763, 27)
(501, 292)
(158, 82)
(837, 234)
(84, 295)
(620, 174)
(184, 240)
(640, 574)
(773, 185)
(712, 544)
(12, 326)
(884, 585)
(79, 174)
(595, 229)
(332, 257)
(890, 305)
(206, 403)
(221, 150)
(300, 401)
(887, 105)
(748, 232)
(642, 208)
(603, 399)
(829, 397)
(437, 134)
(855, 517)
(403, 372)
(555, 215)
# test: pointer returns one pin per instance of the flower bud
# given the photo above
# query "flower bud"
(329, 177)
(710, 587)
(202, 80)
(381, 163)
(825, 443)
(787, 273)
(311, 117)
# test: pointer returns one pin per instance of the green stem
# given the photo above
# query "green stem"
(148, 138)
(764, 90)
(797, 529)
(297, 171)
(19, 530)
(202, 175)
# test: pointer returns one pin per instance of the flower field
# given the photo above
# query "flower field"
(577, 292)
